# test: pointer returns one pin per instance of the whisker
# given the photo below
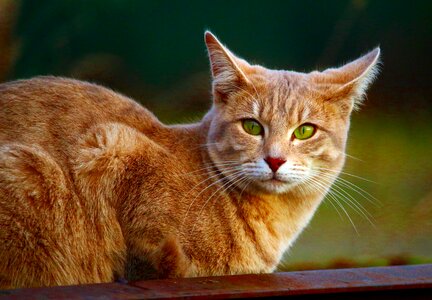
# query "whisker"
(331, 194)
(222, 188)
(247, 182)
(370, 198)
(214, 173)
(352, 202)
(212, 184)
(345, 173)
(345, 211)
(335, 207)
(211, 167)
(353, 157)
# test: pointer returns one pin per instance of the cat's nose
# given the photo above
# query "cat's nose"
(274, 163)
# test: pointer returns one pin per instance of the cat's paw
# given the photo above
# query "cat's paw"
(170, 261)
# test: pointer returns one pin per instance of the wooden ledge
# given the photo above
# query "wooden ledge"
(413, 282)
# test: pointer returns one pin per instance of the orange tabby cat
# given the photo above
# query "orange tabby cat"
(93, 187)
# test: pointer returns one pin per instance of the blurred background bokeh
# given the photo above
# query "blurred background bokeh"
(153, 51)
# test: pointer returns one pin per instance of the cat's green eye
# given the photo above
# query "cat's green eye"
(252, 127)
(304, 131)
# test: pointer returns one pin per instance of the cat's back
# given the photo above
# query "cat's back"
(52, 110)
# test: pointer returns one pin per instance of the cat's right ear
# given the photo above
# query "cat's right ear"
(226, 70)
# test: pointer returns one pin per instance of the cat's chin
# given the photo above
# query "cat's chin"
(275, 186)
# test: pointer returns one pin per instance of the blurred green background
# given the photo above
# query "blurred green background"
(153, 51)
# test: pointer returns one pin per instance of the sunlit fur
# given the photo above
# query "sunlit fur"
(93, 187)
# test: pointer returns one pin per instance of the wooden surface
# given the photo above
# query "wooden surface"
(399, 282)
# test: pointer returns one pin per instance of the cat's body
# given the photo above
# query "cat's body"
(94, 187)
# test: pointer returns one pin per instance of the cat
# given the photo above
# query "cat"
(94, 188)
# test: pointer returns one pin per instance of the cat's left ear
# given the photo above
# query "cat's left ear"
(351, 81)
(228, 71)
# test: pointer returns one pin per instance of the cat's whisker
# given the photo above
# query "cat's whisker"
(205, 180)
(212, 167)
(323, 193)
(206, 170)
(334, 196)
(353, 157)
(302, 190)
(232, 187)
(367, 196)
(360, 191)
(350, 200)
(215, 173)
(350, 156)
(344, 210)
(222, 188)
(202, 191)
(237, 184)
(354, 204)
(330, 200)
(222, 163)
(345, 173)
(247, 182)
(370, 198)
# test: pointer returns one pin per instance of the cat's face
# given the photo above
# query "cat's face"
(273, 131)
(279, 137)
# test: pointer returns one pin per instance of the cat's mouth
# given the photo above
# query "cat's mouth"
(274, 185)
(274, 180)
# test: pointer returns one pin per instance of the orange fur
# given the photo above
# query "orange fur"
(93, 187)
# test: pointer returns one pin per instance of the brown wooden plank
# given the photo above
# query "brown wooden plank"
(92, 291)
(296, 283)
(383, 282)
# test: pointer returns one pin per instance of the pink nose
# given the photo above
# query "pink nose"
(274, 163)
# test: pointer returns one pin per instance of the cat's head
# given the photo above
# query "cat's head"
(274, 130)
